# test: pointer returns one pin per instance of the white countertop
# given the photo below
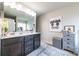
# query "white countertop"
(19, 35)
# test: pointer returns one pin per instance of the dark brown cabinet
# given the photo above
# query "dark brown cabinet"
(12, 47)
(32, 42)
(20, 46)
(13, 50)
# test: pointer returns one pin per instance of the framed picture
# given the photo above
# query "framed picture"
(55, 24)
(69, 28)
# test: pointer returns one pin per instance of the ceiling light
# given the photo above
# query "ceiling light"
(10, 4)
(19, 7)
(6, 3)
(30, 12)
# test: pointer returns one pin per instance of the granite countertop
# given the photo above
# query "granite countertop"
(18, 35)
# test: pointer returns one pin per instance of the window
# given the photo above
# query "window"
(21, 26)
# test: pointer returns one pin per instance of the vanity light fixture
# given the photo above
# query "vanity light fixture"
(6, 3)
(10, 4)
(30, 12)
(20, 7)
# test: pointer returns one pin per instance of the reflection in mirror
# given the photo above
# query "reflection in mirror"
(1, 17)
(21, 26)
(17, 20)
(8, 25)
(25, 23)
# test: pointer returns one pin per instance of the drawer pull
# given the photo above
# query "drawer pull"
(67, 35)
(67, 39)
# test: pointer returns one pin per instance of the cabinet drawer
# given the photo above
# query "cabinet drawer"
(69, 44)
(69, 48)
(66, 39)
(69, 35)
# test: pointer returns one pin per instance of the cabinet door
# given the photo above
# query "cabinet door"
(14, 49)
(57, 42)
(28, 44)
(36, 41)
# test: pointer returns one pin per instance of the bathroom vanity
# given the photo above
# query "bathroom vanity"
(20, 45)
(14, 27)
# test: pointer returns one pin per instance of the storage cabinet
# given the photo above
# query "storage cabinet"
(20, 46)
(57, 42)
(36, 41)
(69, 41)
(12, 46)
(32, 42)
(28, 44)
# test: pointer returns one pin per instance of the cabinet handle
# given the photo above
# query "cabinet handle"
(67, 35)
(67, 39)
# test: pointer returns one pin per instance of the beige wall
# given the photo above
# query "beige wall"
(70, 17)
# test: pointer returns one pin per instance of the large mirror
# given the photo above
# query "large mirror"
(1, 16)
(17, 21)
(25, 23)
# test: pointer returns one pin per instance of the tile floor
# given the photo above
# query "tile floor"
(47, 50)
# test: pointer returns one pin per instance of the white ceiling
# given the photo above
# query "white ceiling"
(44, 7)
